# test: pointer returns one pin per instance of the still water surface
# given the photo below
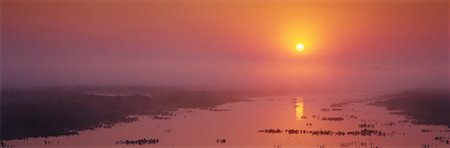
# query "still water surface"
(282, 121)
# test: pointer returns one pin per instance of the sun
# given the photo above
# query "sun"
(300, 47)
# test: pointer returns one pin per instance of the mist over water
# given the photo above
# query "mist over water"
(224, 73)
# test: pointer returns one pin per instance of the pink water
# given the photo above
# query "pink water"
(239, 123)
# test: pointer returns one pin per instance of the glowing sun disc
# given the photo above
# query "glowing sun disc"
(300, 47)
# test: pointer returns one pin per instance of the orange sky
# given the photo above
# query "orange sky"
(225, 43)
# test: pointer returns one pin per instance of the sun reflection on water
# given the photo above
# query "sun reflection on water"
(299, 108)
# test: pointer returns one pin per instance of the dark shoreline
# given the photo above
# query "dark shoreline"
(57, 112)
(423, 106)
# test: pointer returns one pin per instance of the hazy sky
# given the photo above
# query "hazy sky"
(348, 44)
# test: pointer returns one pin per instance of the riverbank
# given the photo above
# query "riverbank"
(56, 112)
(424, 106)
